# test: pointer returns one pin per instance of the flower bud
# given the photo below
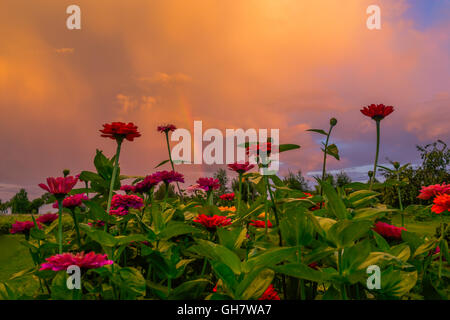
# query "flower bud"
(396, 165)
(66, 172)
(370, 173)
(333, 122)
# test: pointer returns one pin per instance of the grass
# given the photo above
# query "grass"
(15, 257)
(427, 228)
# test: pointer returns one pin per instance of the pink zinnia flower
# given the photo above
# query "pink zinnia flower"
(208, 183)
(241, 167)
(47, 218)
(429, 192)
(227, 196)
(23, 226)
(260, 224)
(127, 201)
(194, 188)
(72, 202)
(59, 186)
(270, 294)
(166, 128)
(212, 222)
(388, 231)
(118, 212)
(265, 147)
(62, 261)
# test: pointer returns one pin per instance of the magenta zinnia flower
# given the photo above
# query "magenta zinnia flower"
(148, 183)
(118, 212)
(120, 130)
(97, 224)
(72, 202)
(166, 128)
(23, 226)
(388, 231)
(127, 201)
(168, 176)
(208, 183)
(241, 167)
(127, 188)
(47, 218)
(432, 191)
(59, 186)
(62, 261)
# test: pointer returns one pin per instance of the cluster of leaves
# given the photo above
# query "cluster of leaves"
(159, 252)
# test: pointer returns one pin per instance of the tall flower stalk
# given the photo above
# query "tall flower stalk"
(377, 113)
(166, 129)
(118, 131)
(240, 169)
(59, 187)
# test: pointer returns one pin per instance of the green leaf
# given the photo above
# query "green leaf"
(344, 233)
(162, 162)
(232, 239)
(218, 252)
(174, 229)
(318, 131)
(188, 290)
(132, 281)
(100, 236)
(268, 258)
(287, 147)
(224, 273)
(302, 271)
(123, 240)
(335, 203)
(254, 285)
(333, 151)
(59, 290)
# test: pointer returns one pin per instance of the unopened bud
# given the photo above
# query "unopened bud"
(333, 122)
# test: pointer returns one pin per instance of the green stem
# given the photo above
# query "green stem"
(166, 194)
(77, 230)
(113, 178)
(171, 162)
(376, 155)
(169, 286)
(239, 195)
(400, 201)
(60, 206)
(442, 249)
(325, 158)
(343, 291)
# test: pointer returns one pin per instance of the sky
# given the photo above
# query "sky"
(285, 64)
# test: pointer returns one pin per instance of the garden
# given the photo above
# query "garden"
(147, 237)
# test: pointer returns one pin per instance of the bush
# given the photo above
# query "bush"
(6, 221)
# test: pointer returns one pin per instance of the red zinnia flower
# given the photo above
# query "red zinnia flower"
(166, 128)
(47, 218)
(270, 294)
(388, 231)
(23, 226)
(429, 192)
(212, 222)
(59, 186)
(377, 111)
(227, 196)
(120, 130)
(258, 148)
(118, 212)
(62, 261)
(241, 167)
(441, 203)
(208, 183)
(261, 224)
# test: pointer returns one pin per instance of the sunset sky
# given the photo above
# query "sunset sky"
(287, 64)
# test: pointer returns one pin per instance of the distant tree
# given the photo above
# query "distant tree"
(248, 190)
(4, 206)
(434, 169)
(36, 204)
(296, 181)
(221, 174)
(20, 202)
(342, 178)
